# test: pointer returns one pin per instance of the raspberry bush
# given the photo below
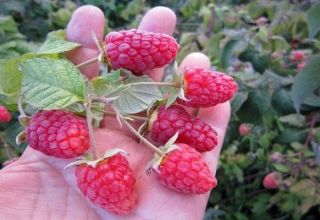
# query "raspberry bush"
(271, 50)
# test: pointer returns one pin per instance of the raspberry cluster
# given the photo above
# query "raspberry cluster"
(108, 181)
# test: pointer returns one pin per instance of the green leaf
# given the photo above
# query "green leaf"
(308, 190)
(306, 82)
(238, 100)
(281, 168)
(102, 84)
(293, 119)
(10, 76)
(134, 97)
(313, 19)
(233, 47)
(56, 43)
(52, 84)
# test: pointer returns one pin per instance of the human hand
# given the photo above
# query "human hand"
(37, 186)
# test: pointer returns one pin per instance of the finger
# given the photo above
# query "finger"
(84, 21)
(158, 20)
(195, 60)
(217, 116)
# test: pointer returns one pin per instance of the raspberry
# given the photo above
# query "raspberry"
(4, 114)
(206, 88)
(58, 133)
(164, 123)
(185, 171)
(298, 56)
(244, 129)
(140, 51)
(272, 180)
(110, 184)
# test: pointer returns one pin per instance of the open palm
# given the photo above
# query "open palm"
(37, 187)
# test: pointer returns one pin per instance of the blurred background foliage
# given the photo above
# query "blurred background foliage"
(270, 47)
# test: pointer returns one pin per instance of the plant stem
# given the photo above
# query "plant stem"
(10, 153)
(129, 126)
(90, 128)
(88, 62)
(139, 118)
(20, 108)
(172, 84)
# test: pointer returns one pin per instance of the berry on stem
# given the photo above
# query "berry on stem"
(207, 88)
(183, 169)
(4, 114)
(139, 51)
(108, 183)
(244, 129)
(165, 122)
(58, 133)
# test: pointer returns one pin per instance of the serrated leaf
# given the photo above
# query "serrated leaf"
(293, 119)
(56, 43)
(103, 84)
(134, 98)
(51, 84)
(306, 82)
(313, 19)
(11, 76)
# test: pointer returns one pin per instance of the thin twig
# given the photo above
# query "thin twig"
(135, 117)
(134, 131)
(90, 128)
(88, 62)
(20, 107)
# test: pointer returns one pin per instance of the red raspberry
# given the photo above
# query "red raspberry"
(185, 171)
(165, 122)
(110, 184)
(58, 133)
(298, 56)
(140, 51)
(206, 88)
(4, 114)
(272, 180)
(244, 129)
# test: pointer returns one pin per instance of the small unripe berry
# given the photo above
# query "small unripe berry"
(272, 180)
(244, 129)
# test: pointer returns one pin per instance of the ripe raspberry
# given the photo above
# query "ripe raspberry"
(244, 129)
(110, 184)
(185, 171)
(4, 114)
(140, 51)
(206, 88)
(58, 133)
(298, 56)
(272, 180)
(164, 123)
